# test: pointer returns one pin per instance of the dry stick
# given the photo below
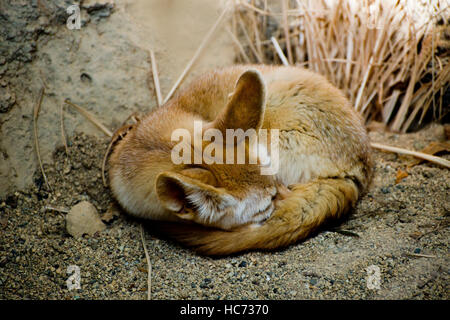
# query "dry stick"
(90, 117)
(63, 135)
(249, 40)
(264, 20)
(286, 31)
(268, 42)
(400, 116)
(239, 45)
(420, 155)
(279, 51)
(149, 267)
(156, 78)
(196, 55)
(308, 40)
(58, 209)
(257, 37)
(361, 88)
(349, 53)
(371, 61)
(105, 157)
(433, 65)
(44, 83)
(105, 130)
(420, 255)
(37, 107)
(249, 6)
(291, 12)
(443, 79)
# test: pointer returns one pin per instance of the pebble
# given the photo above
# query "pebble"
(83, 218)
(385, 190)
(243, 264)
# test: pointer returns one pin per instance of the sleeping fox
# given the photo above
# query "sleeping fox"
(323, 157)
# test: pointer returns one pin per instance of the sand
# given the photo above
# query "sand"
(399, 228)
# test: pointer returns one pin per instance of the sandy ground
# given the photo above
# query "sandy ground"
(395, 224)
(104, 67)
(401, 227)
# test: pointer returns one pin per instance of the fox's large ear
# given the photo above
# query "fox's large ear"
(245, 108)
(191, 187)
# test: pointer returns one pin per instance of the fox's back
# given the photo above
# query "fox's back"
(320, 133)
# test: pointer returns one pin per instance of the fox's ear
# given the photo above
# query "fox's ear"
(245, 109)
(191, 187)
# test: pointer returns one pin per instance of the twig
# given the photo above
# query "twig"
(284, 5)
(37, 107)
(90, 117)
(105, 157)
(420, 255)
(279, 51)
(156, 78)
(149, 265)
(249, 40)
(420, 155)
(256, 35)
(63, 135)
(249, 6)
(345, 232)
(196, 55)
(239, 45)
(63, 210)
(363, 85)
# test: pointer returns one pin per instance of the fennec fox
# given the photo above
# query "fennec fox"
(324, 161)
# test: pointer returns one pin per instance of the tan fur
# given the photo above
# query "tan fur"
(324, 161)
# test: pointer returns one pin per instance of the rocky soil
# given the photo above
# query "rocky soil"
(400, 227)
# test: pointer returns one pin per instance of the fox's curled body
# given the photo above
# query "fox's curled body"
(324, 161)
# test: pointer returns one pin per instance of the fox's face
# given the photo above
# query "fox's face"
(222, 195)
(225, 194)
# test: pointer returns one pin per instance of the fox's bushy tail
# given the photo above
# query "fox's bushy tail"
(300, 214)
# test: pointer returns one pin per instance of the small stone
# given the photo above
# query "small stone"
(82, 219)
(206, 283)
(385, 190)
(417, 250)
(243, 264)
(67, 169)
(313, 281)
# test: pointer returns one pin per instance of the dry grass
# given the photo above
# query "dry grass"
(149, 265)
(36, 109)
(394, 68)
(90, 117)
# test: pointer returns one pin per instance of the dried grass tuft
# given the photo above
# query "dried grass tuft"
(392, 66)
